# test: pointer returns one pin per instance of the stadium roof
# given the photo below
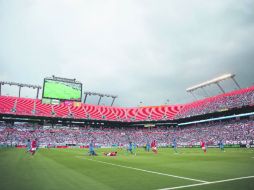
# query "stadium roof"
(212, 81)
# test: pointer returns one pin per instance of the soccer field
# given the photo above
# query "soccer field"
(72, 169)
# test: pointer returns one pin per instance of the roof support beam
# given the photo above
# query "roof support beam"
(236, 83)
(222, 90)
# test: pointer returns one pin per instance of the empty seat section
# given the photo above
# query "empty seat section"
(78, 112)
(107, 113)
(25, 106)
(7, 103)
(43, 109)
(143, 113)
(171, 111)
(61, 110)
(120, 114)
(131, 114)
(93, 112)
(158, 113)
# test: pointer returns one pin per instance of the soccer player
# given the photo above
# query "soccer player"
(129, 149)
(154, 147)
(203, 146)
(221, 145)
(28, 145)
(175, 145)
(148, 147)
(110, 154)
(33, 146)
(91, 150)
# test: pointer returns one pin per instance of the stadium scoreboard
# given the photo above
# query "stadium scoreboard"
(62, 89)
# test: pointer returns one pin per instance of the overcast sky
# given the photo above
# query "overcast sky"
(140, 50)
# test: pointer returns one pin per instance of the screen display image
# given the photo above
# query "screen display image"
(62, 90)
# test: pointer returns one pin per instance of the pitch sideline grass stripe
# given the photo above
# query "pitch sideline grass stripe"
(207, 183)
(148, 171)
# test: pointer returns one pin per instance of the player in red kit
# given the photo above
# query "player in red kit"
(154, 147)
(203, 146)
(110, 154)
(33, 146)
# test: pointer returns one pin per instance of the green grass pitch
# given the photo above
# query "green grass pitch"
(72, 169)
(60, 91)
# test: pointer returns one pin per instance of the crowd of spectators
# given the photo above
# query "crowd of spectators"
(231, 132)
(218, 103)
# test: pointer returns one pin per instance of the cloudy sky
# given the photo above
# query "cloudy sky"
(140, 50)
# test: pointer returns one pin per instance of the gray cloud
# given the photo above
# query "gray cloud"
(146, 51)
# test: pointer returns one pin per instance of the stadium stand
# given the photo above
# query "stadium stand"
(35, 107)
(223, 102)
(43, 109)
(119, 113)
(93, 112)
(61, 110)
(7, 104)
(232, 132)
(78, 112)
(158, 113)
(24, 106)
(107, 113)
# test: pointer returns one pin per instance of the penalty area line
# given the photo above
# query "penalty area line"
(207, 183)
(143, 170)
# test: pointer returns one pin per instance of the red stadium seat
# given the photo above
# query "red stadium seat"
(28, 106)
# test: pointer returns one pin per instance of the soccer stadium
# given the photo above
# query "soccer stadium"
(82, 128)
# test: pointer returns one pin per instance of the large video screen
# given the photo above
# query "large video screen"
(62, 90)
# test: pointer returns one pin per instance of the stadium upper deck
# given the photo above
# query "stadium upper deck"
(34, 107)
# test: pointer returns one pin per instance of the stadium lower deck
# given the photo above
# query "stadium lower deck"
(73, 169)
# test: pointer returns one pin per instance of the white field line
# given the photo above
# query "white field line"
(207, 183)
(147, 171)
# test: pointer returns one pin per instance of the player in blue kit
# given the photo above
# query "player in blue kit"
(174, 144)
(28, 146)
(148, 146)
(91, 150)
(221, 145)
(129, 149)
